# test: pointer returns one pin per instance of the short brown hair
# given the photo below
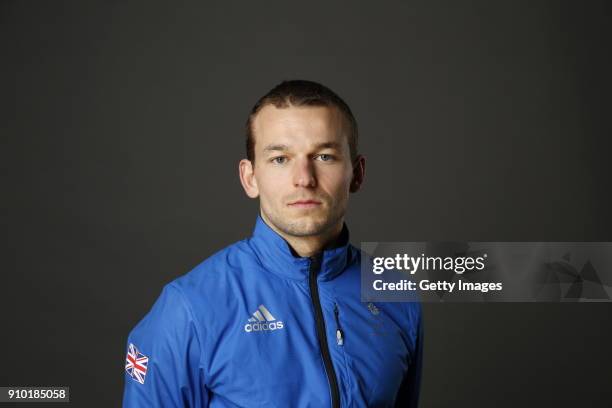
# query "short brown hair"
(301, 93)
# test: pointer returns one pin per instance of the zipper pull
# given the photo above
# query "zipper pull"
(339, 334)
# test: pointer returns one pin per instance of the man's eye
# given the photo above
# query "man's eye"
(325, 157)
(279, 160)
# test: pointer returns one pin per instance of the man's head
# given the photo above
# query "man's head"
(302, 158)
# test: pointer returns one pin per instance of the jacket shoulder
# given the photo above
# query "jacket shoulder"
(217, 267)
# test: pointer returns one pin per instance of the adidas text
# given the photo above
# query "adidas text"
(251, 327)
(262, 320)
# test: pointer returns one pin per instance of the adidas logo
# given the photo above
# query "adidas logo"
(262, 320)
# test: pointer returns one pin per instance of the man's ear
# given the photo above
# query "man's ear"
(247, 178)
(358, 174)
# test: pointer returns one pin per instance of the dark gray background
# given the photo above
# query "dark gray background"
(122, 128)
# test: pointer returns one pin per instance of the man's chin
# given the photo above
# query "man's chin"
(305, 226)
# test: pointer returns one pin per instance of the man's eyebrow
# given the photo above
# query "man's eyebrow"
(276, 147)
(284, 148)
(328, 145)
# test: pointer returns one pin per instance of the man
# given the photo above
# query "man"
(276, 320)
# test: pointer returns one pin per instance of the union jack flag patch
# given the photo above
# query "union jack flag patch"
(136, 364)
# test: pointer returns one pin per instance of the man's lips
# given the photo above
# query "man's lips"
(304, 204)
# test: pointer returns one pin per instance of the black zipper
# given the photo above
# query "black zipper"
(315, 265)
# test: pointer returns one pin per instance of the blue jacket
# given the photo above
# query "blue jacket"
(256, 326)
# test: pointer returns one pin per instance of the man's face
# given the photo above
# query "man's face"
(303, 170)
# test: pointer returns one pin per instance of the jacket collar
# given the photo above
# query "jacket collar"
(276, 255)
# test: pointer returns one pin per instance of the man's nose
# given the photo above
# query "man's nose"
(304, 173)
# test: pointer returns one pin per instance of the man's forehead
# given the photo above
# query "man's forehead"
(301, 124)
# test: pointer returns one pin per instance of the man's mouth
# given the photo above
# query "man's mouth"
(304, 204)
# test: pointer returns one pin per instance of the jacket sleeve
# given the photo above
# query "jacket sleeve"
(166, 349)
(408, 394)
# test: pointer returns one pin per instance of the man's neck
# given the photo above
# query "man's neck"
(308, 246)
